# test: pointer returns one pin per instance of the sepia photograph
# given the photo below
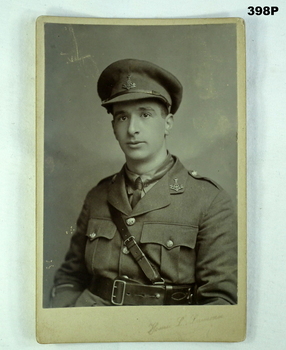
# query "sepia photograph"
(141, 195)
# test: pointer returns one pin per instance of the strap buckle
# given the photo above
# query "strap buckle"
(161, 282)
(116, 288)
(128, 240)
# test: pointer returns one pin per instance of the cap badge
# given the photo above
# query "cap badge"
(129, 85)
(176, 187)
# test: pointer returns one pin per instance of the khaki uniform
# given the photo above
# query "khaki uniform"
(184, 224)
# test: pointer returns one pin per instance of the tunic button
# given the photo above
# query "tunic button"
(125, 250)
(92, 235)
(130, 221)
(170, 243)
(194, 173)
(157, 295)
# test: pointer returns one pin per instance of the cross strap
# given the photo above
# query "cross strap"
(129, 241)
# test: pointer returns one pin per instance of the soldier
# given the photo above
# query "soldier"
(154, 233)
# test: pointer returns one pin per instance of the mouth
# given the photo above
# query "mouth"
(135, 143)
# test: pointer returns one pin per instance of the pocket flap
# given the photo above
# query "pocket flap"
(100, 228)
(169, 235)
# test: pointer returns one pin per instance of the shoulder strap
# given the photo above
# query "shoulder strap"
(149, 270)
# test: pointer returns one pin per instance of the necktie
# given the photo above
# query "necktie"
(138, 191)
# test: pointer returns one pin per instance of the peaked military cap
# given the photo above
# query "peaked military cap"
(132, 79)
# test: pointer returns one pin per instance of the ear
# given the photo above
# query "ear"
(169, 121)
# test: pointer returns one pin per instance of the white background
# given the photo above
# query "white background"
(266, 83)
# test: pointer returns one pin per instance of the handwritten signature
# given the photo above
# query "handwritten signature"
(179, 322)
(76, 56)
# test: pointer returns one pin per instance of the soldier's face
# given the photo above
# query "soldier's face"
(140, 128)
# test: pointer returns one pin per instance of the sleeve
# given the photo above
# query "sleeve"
(72, 277)
(216, 264)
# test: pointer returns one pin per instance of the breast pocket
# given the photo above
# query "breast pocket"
(171, 247)
(100, 234)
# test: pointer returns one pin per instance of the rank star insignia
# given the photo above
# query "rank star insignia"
(129, 85)
(176, 187)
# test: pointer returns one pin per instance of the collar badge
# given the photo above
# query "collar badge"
(129, 85)
(176, 187)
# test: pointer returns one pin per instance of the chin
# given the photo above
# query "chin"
(136, 156)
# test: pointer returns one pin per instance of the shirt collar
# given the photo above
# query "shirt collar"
(151, 176)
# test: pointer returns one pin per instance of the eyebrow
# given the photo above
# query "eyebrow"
(139, 109)
(118, 112)
(146, 109)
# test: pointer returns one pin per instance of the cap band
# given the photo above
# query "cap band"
(152, 93)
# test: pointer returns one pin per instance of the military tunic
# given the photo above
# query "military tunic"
(185, 225)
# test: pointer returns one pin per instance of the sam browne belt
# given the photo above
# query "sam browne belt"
(123, 291)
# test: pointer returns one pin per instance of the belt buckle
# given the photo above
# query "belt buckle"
(114, 292)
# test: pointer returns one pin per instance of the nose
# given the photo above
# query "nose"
(133, 126)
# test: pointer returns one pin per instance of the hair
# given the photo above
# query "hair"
(163, 107)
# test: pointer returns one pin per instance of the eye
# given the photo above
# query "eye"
(121, 118)
(146, 114)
